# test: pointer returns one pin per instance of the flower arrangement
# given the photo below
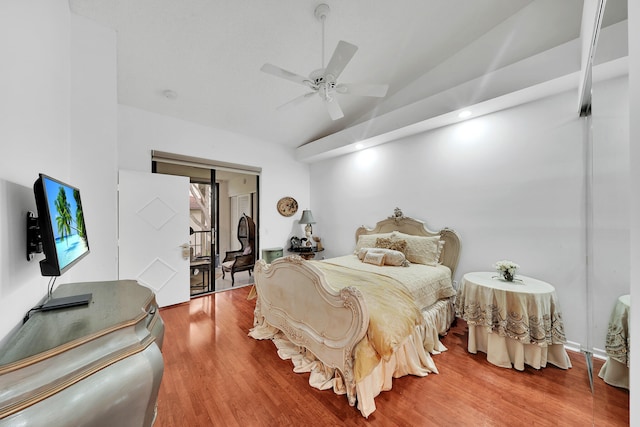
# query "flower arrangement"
(507, 269)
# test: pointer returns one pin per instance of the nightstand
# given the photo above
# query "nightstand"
(271, 254)
(306, 252)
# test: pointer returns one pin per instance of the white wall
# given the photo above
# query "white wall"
(34, 135)
(141, 131)
(43, 130)
(242, 184)
(94, 133)
(511, 183)
(34, 75)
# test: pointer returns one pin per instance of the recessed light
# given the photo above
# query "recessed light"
(464, 114)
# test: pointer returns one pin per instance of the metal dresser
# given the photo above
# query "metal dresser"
(95, 365)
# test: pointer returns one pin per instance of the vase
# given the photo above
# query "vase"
(508, 276)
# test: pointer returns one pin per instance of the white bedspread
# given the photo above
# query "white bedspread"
(426, 284)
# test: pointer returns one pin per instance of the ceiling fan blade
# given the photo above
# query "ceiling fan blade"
(340, 58)
(296, 101)
(334, 109)
(362, 89)
(282, 73)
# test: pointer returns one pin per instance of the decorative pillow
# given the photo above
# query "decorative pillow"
(421, 249)
(247, 250)
(369, 240)
(374, 258)
(391, 257)
(396, 245)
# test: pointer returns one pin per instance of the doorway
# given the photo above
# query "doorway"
(203, 257)
(218, 198)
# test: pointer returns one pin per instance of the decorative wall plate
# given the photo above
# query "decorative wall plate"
(287, 206)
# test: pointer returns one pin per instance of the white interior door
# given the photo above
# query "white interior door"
(153, 211)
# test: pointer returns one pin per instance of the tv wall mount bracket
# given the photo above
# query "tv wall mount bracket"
(34, 238)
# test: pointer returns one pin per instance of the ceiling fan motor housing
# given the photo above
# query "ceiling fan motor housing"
(318, 76)
(324, 84)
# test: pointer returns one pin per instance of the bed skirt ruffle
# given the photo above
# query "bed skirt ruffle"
(412, 357)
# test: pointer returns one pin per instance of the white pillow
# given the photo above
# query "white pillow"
(391, 257)
(374, 258)
(421, 249)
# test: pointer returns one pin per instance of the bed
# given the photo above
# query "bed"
(354, 323)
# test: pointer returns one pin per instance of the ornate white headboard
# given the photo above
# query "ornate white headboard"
(404, 224)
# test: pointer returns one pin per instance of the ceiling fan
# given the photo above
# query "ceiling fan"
(324, 80)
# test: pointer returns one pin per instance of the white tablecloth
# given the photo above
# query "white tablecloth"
(615, 370)
(514, 323)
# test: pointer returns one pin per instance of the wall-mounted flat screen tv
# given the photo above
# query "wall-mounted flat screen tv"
(62, 226)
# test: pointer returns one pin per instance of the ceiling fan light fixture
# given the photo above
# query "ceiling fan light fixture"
(326, 92)
(323, 81)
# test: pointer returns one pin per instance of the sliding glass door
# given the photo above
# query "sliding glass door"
(219, 196)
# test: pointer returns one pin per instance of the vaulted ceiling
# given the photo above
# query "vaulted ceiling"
(208, 54)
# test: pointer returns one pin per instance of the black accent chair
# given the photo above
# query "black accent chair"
(245, 258)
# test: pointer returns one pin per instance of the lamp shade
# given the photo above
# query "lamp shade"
(307, 218)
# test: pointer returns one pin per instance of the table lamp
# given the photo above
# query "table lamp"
(307, 218)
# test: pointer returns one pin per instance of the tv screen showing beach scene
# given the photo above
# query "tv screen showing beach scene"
(67, 221)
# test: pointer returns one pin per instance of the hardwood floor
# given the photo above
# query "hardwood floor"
(216, 375)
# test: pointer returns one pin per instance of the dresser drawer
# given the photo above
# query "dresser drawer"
(269, 255)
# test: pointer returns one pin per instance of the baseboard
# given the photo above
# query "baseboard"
(598, 353)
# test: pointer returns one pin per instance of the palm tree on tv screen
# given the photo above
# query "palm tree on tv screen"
(79, 215)
(64, 218)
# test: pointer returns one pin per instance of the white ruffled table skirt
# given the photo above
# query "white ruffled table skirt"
(615, 373)
(507, 352)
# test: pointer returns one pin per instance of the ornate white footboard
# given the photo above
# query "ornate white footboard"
(294, 297)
